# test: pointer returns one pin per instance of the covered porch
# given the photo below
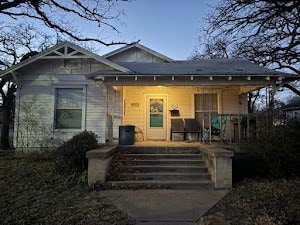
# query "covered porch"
(151, 109)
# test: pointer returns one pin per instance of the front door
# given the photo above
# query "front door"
(156, 117)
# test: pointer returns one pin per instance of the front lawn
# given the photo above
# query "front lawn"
(32, 192)
(260, 202)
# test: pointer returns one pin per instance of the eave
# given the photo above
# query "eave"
(187, 80)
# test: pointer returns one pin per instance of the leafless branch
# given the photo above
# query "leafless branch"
(265, 31)
(65, 17)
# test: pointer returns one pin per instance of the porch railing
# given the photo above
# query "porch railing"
(228, 127)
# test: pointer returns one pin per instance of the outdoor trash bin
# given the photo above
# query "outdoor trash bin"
(126, 134)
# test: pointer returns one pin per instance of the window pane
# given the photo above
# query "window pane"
(156, 120)
(69, 98)
(68, 108)
(68, 118)
(205, 102)
(156, 105)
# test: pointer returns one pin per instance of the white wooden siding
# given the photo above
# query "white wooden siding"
(115, 111)
(34, 120)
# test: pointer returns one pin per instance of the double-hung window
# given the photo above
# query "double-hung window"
(68, 110)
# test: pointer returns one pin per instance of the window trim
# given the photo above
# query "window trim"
(84, 105)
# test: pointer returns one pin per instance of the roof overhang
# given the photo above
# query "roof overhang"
(169, 80)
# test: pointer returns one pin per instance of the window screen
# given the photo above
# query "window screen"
(68, 113)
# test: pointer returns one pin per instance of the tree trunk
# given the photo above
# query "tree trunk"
(7, 115)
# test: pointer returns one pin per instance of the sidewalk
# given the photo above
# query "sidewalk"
(162, 206)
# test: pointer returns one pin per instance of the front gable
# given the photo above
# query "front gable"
(66, 58)
(136, 53)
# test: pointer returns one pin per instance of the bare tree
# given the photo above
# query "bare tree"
(7, 109)
(212, 49)
(264, 31)
(18, 42)
(66, 18)
(31, 26)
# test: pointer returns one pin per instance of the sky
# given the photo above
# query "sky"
(170, 27)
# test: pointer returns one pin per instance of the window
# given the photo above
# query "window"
(68, 112)
(205, 103)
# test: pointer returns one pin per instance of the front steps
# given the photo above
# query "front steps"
(159, 167)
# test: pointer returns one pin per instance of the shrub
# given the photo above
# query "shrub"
(71, 155)
(274, 152)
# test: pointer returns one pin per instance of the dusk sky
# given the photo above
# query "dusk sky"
(170, 27)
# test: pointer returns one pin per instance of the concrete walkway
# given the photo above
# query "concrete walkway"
(164, 207)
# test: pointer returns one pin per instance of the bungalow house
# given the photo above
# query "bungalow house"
(67, 89)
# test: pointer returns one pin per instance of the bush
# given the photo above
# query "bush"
(71, 155)
(274, 152)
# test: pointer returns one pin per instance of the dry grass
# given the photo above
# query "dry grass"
(260, 202)
(32, 192)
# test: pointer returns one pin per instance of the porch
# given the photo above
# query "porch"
(151, 109)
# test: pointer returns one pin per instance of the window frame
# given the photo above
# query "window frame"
(84, 102)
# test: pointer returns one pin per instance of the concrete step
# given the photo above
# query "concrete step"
(160, 167)
(160, 156)
(165, 176)
(172, 184)
(168, 168)
(158, 150)
(163, 162)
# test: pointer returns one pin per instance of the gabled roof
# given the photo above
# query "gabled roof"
(64, 50)
(207, 67)
(139, 46)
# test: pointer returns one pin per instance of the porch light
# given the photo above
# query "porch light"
(154, 78)
(248, 78)
(211, 78)
(192, 78)
(173, 78)
(230, 78)
(135, 78)
(117, 78)
(267, 78)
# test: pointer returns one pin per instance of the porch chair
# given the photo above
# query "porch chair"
(177, 126)
(218, 124)
(192, 127)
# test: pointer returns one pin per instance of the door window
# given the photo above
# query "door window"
(156, 112)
